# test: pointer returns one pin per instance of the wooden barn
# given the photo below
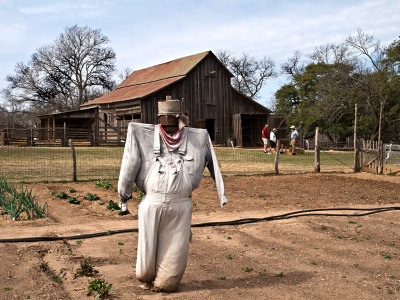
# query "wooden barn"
(201, 81)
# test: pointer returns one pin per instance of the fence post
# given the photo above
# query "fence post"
(277, 149)
(73, 160)
(382, 157)
(64, 140)
(317, 152)
(356, 151)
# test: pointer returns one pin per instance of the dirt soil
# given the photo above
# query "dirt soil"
(311, 257)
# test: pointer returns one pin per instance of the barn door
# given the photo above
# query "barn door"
(237, 129)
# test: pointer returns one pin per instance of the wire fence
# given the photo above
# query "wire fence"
(55, 163)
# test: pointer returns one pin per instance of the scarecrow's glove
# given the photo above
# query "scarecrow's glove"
(183, 121)
(123, 206)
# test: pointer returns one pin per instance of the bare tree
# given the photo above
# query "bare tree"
(293, 65)
(124, 74)
(61, 76)
(371, 76)
(250, 74)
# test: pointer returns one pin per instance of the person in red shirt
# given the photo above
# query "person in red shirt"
(265, 137)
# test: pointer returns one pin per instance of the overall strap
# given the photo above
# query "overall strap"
(156, 145)
(182, 148)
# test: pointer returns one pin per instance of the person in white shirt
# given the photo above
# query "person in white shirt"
(272, 139)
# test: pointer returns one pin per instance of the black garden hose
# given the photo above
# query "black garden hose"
(300, 213)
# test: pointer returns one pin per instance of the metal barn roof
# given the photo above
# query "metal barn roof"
(146, 81)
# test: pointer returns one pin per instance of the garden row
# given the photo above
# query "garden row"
(20, 203)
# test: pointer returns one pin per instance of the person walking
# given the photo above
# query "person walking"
(272, 139)
(265, 137)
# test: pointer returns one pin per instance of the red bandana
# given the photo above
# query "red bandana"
(172, 142)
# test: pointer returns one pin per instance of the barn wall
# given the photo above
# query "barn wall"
(207, 95)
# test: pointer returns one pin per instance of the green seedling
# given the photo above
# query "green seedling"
(247, 269)
(262, 273)
(246, 245)
(279, 274)
(393, 277)
(86, 269)
(352, 222)
(108, 233)
(229, 237)
(316, 248)
(222, 277)
(344, 277)
(391, 244)
(389, 291)
(112, 205)
(51, 274)
(62, 195)
(73, 200)
(72, 190)
(7, 288)
(323, 227)
(229, 256)
(100, 288)
(79, 242)
(91, 197)
(121, 244)
(314, 263)
(100, 203)
(105, 184)
(123, 212)
(387, 256)
(339, 237)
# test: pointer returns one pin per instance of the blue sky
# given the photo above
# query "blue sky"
(144, 33)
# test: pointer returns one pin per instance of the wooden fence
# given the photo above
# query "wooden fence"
(101, 136)
(384, 159)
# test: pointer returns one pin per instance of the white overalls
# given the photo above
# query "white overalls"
(167, 179)
(165, 215)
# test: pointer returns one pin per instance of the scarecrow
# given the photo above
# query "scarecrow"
(166, 161)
